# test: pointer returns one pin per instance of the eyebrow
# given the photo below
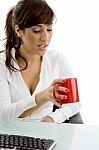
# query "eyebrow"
(41, 25)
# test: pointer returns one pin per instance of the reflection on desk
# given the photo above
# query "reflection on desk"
(67, 136)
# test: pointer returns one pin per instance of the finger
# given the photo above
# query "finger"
(57, 81)
(55, 101)
(57, 95)
(60, 97)
(57, 104)
(62, 89)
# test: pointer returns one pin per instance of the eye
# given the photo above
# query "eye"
(36, 29)
(49, 30)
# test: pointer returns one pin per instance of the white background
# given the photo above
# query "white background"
(76, 34)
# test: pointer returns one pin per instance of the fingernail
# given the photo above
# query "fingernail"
(64, 80)
(65, 97)
(67, 90)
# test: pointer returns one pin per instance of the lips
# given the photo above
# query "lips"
(43, 46)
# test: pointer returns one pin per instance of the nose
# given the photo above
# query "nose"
(44, 36)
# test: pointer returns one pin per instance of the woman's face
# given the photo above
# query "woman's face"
(35, 39)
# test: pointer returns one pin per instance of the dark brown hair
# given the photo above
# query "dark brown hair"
(25, 14)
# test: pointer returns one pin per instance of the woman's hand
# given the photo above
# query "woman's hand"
(47, 119)
(47, 94)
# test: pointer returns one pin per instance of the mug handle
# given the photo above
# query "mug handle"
(54, 93)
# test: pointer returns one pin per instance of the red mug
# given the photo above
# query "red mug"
(72, 94)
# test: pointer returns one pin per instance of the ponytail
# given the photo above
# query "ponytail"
(11, 40)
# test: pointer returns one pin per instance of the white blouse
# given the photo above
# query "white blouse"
(15, 97)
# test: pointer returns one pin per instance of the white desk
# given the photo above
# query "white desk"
(68, 136)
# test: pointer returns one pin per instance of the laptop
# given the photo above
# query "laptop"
(20, 142)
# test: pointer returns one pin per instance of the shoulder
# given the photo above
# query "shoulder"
(56, 59)
(54, 55)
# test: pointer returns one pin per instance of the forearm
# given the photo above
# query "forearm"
(11, 111)
(67, 111)
(39, 101)
(28, 112)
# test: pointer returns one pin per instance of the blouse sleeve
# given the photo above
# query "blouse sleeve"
(11, 111)
(70, 109)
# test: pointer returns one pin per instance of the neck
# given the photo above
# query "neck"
(32, 60)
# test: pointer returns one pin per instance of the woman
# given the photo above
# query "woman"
(28, 71)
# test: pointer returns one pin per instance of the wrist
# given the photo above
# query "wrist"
(39, 99)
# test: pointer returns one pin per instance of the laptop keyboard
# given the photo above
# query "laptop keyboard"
(19, 142)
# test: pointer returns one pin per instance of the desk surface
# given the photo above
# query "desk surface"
(68, 136)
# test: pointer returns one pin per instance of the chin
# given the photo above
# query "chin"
(42, 53)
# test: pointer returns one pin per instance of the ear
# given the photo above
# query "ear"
(18, 31)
